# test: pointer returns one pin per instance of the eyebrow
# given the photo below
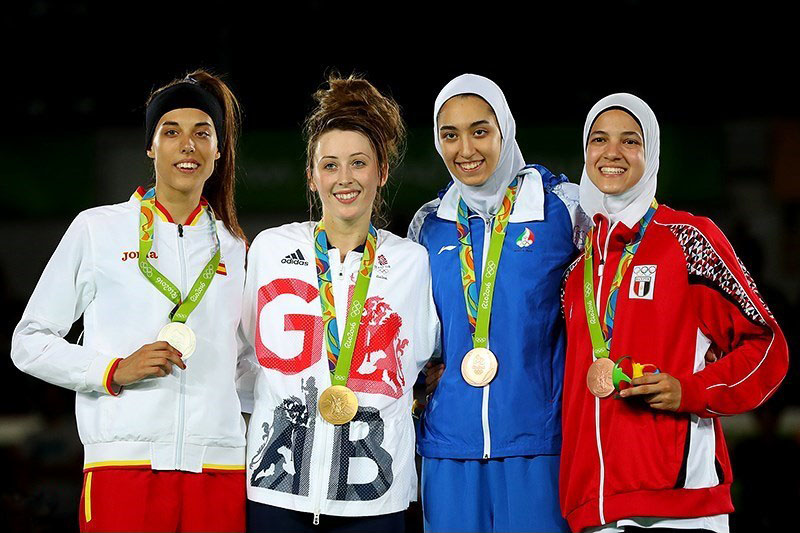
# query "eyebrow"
(601, 132)
(482, 122)
(173, 123)
(351, 155)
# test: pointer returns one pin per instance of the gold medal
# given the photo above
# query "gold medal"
(338, 405)
(599, 379)
(479, 367)
(179, 336)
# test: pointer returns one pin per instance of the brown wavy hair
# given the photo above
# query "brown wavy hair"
(220, 187)
(353, 104)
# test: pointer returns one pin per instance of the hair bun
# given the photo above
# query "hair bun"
(353, 103)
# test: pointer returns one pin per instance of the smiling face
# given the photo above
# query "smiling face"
(470, 139)
(346, 175)
(184, 149)
(615, 152)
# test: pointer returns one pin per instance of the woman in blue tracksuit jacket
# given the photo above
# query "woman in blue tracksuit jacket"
(491, 453)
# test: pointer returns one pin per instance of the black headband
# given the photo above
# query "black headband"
(186, 94)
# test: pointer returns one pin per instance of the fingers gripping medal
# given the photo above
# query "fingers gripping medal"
(338, 404)
(479, 365)
(179, 336)
(176, 333)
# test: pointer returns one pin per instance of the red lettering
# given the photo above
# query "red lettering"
(310, 325)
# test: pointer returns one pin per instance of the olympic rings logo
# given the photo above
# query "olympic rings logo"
(146, 269)
(491, 267)
(645, 269)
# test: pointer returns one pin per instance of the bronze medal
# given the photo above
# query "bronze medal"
(338, 405)
(479, 367)
(599, 379)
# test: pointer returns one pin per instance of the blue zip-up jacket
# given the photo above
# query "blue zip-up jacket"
(519, 412)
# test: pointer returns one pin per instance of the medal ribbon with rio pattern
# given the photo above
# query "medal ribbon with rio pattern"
(161, 282)
(340, 356)
(478, 312)
(601, 337)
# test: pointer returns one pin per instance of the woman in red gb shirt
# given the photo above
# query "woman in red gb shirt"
(654, 289)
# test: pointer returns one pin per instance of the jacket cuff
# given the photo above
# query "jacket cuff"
(694, 398)
(99, 376)
(108, 384)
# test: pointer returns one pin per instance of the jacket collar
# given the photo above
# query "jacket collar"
(528, 207)
(195, 218)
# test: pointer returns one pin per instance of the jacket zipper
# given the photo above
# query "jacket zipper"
(600, 269)
(182, 395)
(338, 297)
(487, 436)
(321, 477)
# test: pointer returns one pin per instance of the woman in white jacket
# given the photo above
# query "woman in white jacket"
(341, 319)
(157, 279)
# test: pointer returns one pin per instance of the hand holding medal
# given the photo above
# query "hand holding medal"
(177, 334)
(604, 376)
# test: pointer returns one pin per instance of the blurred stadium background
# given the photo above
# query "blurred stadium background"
(77, 76)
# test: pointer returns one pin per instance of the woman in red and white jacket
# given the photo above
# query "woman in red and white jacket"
(661, 287)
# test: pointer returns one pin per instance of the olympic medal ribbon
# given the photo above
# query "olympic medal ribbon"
(601, 336)
(340, 354)
(183, 308)
(479, 312)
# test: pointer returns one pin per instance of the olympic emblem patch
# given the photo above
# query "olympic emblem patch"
(643, 281)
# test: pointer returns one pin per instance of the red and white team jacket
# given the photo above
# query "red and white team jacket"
(295, 459)
(685, 290)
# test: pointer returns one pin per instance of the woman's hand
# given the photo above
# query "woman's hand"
(433, 373)
(151, 360)
(660, 391)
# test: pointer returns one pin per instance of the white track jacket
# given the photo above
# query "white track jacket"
(189, 420)
(297, 460)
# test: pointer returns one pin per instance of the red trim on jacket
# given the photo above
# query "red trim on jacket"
(112, 389)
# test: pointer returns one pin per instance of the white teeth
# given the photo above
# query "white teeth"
(470, 166)
(612, 170)
(347, 195)
(188, 166)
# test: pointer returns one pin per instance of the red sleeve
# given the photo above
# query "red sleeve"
(733, 316)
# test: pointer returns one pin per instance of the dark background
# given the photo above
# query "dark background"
(75, 76)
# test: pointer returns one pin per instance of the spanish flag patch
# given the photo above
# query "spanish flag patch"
(221, 270)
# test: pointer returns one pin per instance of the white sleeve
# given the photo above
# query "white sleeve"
(66, 288)
(247, 366)
(568, 193)
(429, 340)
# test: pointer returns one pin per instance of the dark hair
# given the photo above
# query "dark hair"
(353, 104)
(219, 189)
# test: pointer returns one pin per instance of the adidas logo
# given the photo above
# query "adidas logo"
(295, 258)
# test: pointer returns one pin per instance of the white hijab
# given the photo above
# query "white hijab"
(484, 199)
(629, 206)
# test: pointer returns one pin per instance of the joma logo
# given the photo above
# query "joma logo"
(135, 255)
